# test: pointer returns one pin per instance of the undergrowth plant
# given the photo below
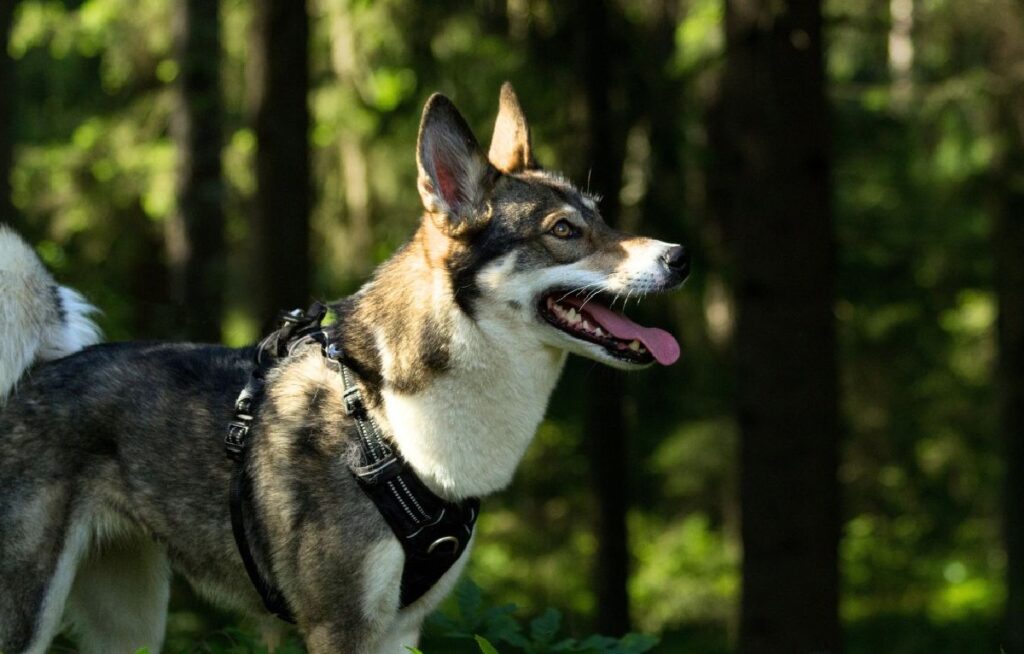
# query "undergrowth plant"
(497, 629)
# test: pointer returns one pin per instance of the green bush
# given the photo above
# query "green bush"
(474, 627)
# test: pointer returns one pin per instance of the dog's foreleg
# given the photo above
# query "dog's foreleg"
(118, 603)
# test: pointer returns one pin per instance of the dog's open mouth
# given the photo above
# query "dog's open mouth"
(590, 319)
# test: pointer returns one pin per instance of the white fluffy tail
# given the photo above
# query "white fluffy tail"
(39, 320)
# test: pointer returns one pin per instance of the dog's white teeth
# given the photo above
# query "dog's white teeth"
(586, 325)
(634, 345)
(599, 331)
(573, 316)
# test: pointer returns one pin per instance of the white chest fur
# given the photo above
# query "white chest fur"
(466, 433)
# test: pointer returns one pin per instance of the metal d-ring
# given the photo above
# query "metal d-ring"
(333, 351)
(442, 541)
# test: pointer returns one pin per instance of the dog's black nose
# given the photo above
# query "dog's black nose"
(678, 260)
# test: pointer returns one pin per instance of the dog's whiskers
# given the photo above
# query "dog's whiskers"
(578, 290)
(616, 299)
(589, 298)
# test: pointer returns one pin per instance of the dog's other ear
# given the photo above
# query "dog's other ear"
(511, 151)
(454, 175)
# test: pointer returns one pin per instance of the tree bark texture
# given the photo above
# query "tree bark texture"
(1007, 56)
(607, 428)
(775, 158)
(280, 80)
(195, 234)
(1008, 241)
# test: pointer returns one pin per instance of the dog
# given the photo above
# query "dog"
(112, 467)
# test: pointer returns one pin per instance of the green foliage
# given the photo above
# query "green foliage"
(473, 620)
(485, 645)
(233, 640)
(701, 560)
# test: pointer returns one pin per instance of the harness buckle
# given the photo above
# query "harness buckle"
(234, 440)
(354, 402)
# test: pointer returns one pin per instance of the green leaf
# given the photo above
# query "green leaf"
(516, 640)
(485, 645)
(499, 624)
(544, 628)
(566, 645)
(499, 612)
(445, 625)
(470, 601)
(597, 643)
(637, 643)
(414, 650)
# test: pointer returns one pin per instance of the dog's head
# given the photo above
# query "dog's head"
(527, 253)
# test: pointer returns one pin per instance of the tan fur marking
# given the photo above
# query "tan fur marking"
(291, 395)
(610, 254)
(434, 241)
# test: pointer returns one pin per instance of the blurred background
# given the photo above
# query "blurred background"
(836, 463)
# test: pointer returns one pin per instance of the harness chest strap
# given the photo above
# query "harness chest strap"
(433, 532)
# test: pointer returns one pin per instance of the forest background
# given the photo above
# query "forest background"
(835, 463)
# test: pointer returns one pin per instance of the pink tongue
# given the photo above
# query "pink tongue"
(662, 345)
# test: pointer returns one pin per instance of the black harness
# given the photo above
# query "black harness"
(433, 531)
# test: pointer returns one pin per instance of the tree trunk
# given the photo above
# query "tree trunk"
(355, 167)
(1008, 241)
(6, 113)
(280, 86)
(606, 423)
(665, 202)
(1007, 55)
(195, 234)
(775, 149)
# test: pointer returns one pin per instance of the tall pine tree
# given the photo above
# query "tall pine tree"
(195, 233)
(605, 421)
(280, 85)
(775, 157)
(1006, 55)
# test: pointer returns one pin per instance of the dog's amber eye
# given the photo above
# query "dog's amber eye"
(563, 229)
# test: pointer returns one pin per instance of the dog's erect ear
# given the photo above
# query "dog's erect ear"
(511, 151)
(454, 174)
